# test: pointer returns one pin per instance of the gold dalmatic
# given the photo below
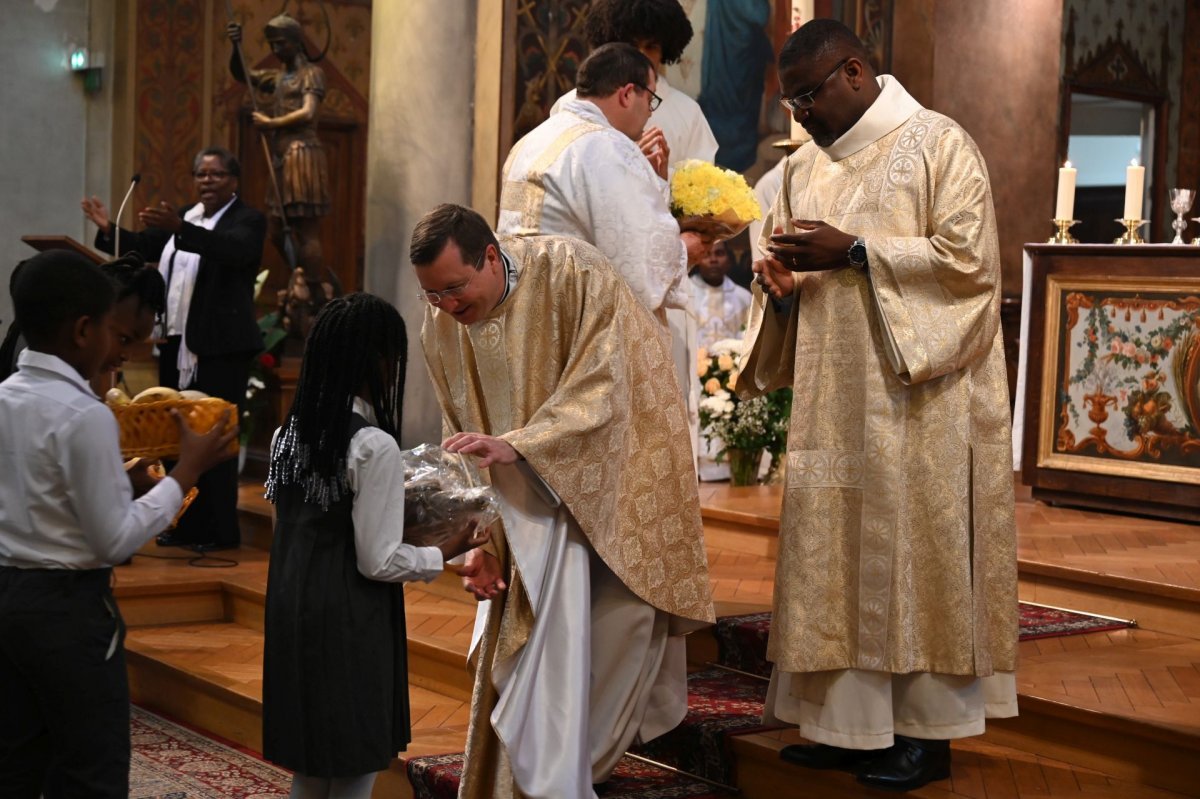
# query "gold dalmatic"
(897, 548)
(572, 371)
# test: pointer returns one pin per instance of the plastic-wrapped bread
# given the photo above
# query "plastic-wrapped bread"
(442, 495)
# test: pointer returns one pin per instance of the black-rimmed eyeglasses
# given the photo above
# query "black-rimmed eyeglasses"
(806, 100)
(655, 100)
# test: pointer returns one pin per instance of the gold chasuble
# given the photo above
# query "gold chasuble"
(897, 549)
(572, 371)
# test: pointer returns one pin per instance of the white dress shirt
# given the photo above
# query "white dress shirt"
(179, 269)
(375, 471)
(65, 499)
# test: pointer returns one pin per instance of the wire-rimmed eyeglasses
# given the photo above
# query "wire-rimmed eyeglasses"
(806, 100)
(454, 292)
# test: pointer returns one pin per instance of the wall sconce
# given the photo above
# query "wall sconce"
(87, 64)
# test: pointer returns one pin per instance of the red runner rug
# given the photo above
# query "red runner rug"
(720, 704)
(171, 762)
(438, 778)
(742, 640)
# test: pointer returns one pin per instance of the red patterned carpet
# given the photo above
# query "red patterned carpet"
(171, 762)
(438, 778)
(720, 704)
(742, 640)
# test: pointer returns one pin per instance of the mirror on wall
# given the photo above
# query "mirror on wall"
(1106, 134)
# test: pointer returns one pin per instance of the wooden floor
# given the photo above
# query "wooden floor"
(1105, 714)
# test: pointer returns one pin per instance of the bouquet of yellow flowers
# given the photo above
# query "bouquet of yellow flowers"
(712, 201)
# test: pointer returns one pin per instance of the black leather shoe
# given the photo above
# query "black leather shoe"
(824, 756)
(908, 765)
(167, 540)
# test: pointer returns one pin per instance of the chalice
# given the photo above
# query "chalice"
(1181, 203)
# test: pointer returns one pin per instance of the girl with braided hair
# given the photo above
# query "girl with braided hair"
(141, 299)
(335, 681)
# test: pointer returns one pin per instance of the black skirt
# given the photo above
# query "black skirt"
(335, 668)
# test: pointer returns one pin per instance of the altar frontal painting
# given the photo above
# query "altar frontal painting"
(1124, 358)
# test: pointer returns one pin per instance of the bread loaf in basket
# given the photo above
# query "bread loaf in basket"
(148, 430)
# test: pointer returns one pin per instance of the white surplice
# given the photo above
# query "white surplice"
(576, 175)
(681, 120)
(688, 137)
(618, 677)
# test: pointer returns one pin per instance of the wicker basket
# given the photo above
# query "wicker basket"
(149, 431)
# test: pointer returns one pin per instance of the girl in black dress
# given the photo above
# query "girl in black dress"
(335, 681)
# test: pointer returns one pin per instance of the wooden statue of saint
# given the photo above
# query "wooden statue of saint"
(297, 155)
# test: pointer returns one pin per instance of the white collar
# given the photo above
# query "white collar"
(587, 111)
(891, 109)
(363, 409)
(32, 359)
(196, 212)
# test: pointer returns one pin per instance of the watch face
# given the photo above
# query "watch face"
(858, 254)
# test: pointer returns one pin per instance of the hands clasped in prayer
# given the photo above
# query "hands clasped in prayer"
(814, 247)
(653, 144)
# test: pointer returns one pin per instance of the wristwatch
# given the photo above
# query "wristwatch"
(858, 253)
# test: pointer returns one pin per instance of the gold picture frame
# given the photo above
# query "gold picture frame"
(1121, 377)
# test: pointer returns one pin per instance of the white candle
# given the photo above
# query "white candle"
(802, 12)
(1135, 182)
(1066, 192)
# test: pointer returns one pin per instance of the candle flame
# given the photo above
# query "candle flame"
(1066, 165)
(1133, 162)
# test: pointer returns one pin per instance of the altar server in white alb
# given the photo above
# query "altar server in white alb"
(678, 131)
(660, 30)
(895, 620)
(580, 173)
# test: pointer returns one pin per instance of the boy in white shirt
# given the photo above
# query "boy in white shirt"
(67, 514)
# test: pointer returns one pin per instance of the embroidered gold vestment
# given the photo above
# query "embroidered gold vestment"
(573, 372)
(897, 538)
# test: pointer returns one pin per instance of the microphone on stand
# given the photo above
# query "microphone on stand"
(117, 243)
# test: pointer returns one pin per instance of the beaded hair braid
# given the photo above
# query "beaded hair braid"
(357, 342)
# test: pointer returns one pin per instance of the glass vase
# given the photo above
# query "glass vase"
(743, 465)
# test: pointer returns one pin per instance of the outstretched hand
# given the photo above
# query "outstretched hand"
(199, 452)
(481, 575)
(488, 449)
(814, 247)
(95, 211)
(164, 217)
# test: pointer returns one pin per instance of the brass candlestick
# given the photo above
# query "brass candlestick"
(1131, 234)
(1063, 236)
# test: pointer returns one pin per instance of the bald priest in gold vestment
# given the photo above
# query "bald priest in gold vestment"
(895, 618)
(550, 371)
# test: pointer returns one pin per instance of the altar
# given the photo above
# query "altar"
(1108, 391)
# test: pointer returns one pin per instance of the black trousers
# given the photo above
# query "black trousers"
(64, 693)
(212, 518)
